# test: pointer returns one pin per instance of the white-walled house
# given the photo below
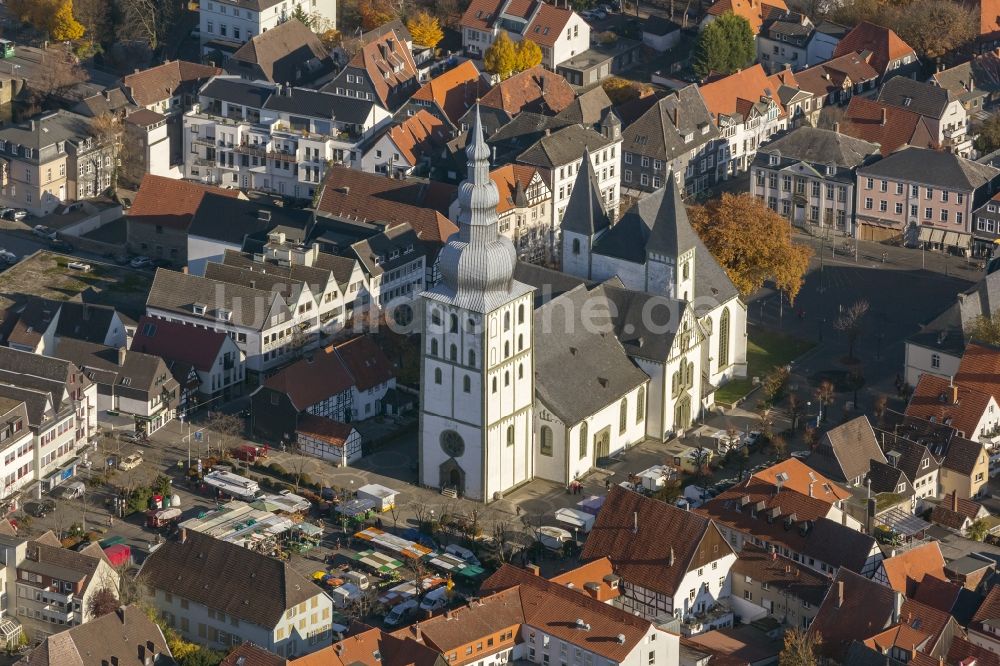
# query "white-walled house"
(560, 32)
(221, 594)
(225, 25)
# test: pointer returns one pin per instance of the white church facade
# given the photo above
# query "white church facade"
(532, 373)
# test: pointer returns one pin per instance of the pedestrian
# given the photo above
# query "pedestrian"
(337, 544)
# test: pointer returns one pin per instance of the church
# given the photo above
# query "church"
(528, 372)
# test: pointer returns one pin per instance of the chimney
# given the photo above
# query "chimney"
(883, 116)
(840, 593)
(954, 501)
(953, 391)
(338, 647)
(811, 488)
(670, 561)
(183, 535)
(836, 128)
(897, 608)
(121, 613)
(121, 356)
(418, 635)
(534, 569)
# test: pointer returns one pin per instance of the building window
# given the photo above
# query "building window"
(640, 404)
(583, 440)
(510, 435)
(545, 445)
(437, 375)
(935, 360)
(466, 384)
(724, 338)
(623, 416)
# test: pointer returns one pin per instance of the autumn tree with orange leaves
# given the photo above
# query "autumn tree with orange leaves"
(752, 243)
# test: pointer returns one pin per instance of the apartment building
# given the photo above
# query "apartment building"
(946, 116)
(225, 25)
(886, 52)
(221, 594)
(558, 31)
(17, 445)
(395, 267)
(61, 405)
(382, 71)
(837, 80)
(791, 39)
(808, 176)
(766, 585)
(55, 586)
(51, 159)
(924, 196)
(256, 135)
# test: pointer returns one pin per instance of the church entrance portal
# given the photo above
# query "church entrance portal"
(602, 444)
(452, 476)
(682, 413)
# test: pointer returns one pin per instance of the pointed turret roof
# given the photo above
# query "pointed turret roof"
(477, 263)
(585, 213)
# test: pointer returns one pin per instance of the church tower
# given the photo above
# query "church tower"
(583, 221)
(477, 383)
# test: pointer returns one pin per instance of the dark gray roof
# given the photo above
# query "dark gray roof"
(375, 252)
(563, 146)
(660, 131)
(316, 278)
(289, 53)
(180, 292)
(657, 25)
(548, 283)
(932, 167)
(588, 108)
(585, 212)
(340, 267)
(139, 372)
(227, 577)
(48, 129)
(710, 279)
(232, 220)
(820, 147)
(316, 104)
(911, 454)
(580, 367)
(924, 99)
(885, 478)
(288, 288)
(644, 323)
(846, 452)
(237, 91)
(972, 78)
(793, 27)
(656, 223)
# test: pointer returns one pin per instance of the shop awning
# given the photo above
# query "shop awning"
(949, 238)
(925, 234)
(937, 235)
(963, 240)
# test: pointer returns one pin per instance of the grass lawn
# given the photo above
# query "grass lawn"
(765, 349)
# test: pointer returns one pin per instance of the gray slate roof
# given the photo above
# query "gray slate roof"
(924, 99)
(656, 223)
(316, 278)
(659, 132)
(820, 146)
(264, 281)
(179, 292)
(401, 238)
(932, 167)
(237, 91)
(580, 368)
(235, 580)
(48, 129)
(588, 108)
(885, 478)
(563, 146)
(585, 212)
(972, 78)
(845, 452)
(139, 372)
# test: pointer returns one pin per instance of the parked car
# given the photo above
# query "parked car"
(359, 579)
(435, 600)
(140, 262)
(8, 257)
(39, 508)
(132, 436)
(462, 553)
(801, 455)
(60, 245)
(401, 612)
(600, 14)
(40, 230)
(130, 462)
(70, 491)
(20, 215)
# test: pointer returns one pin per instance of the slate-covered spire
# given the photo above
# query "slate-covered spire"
(478, 260)
(585, 213)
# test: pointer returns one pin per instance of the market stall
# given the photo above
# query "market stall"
(382, 498)
(404, 547)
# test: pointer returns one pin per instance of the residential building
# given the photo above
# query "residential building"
(289, 54)
(987, 228)
(922, 195)
(754, 11)
(966, 468)
(129, 383)
(225, 26)
(16, 445)
(148, 133)
(449, 95)
(958, 514)
(558, 31)
(254, 135)
(329, 439)
(747, 112)
(670, 561)
(408, 148)
(557, 157)
(984, 630)
(395, 270)
(382, 71)
(970, 412)
(40, 322)
(946, 115)
(890, 127)
(157, 223)
(790, 39)
(198, 584)
(975, 83)
(535, 90)
(890, 55)
(53, 158)
(347, 382)
(904, 572)
(917, 463)
(366, 646)
(55, 586)
(769, 585)
(835, 81)
(808, 176)
(127, 637)
(844, 452)
(61, 405)
(219, 364)
(675, 135)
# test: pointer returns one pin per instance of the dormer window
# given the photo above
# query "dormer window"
(224, 315)
(772, 159)
(199, 308)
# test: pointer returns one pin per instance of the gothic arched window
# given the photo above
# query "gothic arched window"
(724, 338)
(545, 446)
(623, 416)
(583, 440)
(640, 405)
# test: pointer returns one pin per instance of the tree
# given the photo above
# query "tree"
(774, 382)
(881, 404)
(850, 323)
(65, 28)
(425, 30)
(824, 395)
(752, 242)
(779, 447)
(56, 76)
(302, 17)
(670, 491)
(103, 602)
(500, 58)
(375, 13)
(226, 428)
(126, 162)
(800, 648)
(935, 27)
(796, 408)
(95, 15)
(144, 20)
(528, 55)
(621, 90)
(699, 460)
(985, 328)
(724, 46)
(978, 530)
(989, 135)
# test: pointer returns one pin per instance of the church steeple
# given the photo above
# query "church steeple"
(477, 264)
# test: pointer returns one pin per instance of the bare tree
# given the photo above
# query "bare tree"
(144, 20)
(103, 602)
(226, 427)
(58, 73)
(850, 323)
(502, 532)
(796, 408)
(298, 469)
(825, 394)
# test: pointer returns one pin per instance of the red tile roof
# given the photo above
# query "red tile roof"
(953, 511)
(591, 579)
(884, 44)
(931, 400)
(507, 178)
(454, 91)
(963, 651)
(908, 569)
(170, 203)
(160, 83)
(366, 362)
(980, 368)
(855, 608)
(367, 646)
(833, 75)
(322, 428)
(901, 636)
(312, 379)
(537, 90)
(754, 11)
(738, 92)
(174, 341)
(545, 25)
(989, 610)
(665, 532)
(419, 136)
(939, 594)
(389, 65)
(989, 18)
(863, 120)
(250, 654)
(802, 479)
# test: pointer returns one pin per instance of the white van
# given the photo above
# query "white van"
(345, 595)
(435, 600)
(464, 554)
(357, 578)
(71, 490)
(400, 612)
